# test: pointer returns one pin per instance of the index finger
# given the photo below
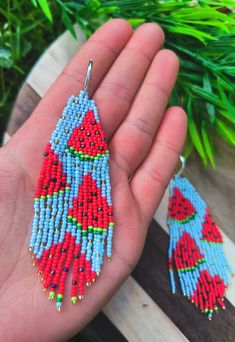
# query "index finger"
(103, 47)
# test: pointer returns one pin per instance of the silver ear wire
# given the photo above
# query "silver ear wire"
(182, 166)
(88, 75)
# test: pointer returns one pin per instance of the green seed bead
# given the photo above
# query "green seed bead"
(73, 299)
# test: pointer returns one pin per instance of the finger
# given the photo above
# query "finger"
(103, 47)
(116, 92)
(136, 134)
(150, 180)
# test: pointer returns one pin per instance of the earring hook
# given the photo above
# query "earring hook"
(182, 167)
(88, 75)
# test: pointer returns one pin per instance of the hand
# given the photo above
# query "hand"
(131, 82)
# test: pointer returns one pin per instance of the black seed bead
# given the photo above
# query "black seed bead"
(95, 218)
(103, 139)
(81, 139)
(54, 286)
(89, 200)
(81, 269)
(52, 272)
(82, 145)
(93, 123)
(100, 209)
(63, 185)
(63, 250)
(74, 282)
(65, 269)
(88, 134)
(97, 132)
(101, 148)
(93, 194)
(92, 143)
(54, 163)
(82, 128)
(110, 213)
(80, 204)
(45, 187)
(53, 180)
(45, 154)
(76, 256)
(84, 214)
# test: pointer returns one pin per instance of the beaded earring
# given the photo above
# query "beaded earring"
(196, 247)
(73, 217)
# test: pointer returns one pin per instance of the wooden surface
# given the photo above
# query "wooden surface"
(144, 308)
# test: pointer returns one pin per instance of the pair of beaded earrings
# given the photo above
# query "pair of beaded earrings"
(73, 216)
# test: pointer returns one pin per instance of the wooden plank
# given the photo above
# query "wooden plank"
(100, 329)
(53, 61)
(136, 315)
(152, 275)
(26, 101)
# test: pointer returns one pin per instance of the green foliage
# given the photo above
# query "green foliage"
(202, 33)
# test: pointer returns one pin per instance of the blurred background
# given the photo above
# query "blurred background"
(202, 33)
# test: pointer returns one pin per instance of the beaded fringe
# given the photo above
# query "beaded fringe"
(196, 249)
(73, 219)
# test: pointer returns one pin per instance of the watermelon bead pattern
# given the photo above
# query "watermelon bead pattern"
(196, 249)
(73, 224)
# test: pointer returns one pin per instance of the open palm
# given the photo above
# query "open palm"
(131, 83)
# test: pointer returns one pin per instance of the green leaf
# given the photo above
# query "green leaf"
(25, 47)
(225, 131)
(200, 35)
(209, 106)
(136, 22)
(227, 116)
(193, 133)
(46, 9)
(6, 60)
(229, 106)
(188, 148)
(207, 144)
(34, 2)
(213, 98)
(68, 23)
(174, 99)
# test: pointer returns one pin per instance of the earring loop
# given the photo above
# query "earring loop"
(182, 166)
(88, 75)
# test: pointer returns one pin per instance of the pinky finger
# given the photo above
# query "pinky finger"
(151, 179)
